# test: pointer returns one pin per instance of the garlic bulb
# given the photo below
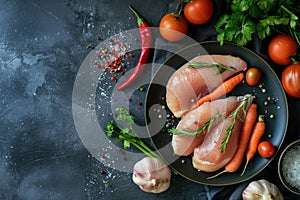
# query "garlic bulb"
(151, 175)
(262, 190)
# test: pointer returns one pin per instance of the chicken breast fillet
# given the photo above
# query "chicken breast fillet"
(188, 84)
(185, 145)
(208, 156)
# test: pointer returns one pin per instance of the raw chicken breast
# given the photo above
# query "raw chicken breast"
(208, 157)
(187, 84)
(185, 145)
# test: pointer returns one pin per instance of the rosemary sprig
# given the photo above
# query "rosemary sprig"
(220, 68)
(202, 129)
(235, 115)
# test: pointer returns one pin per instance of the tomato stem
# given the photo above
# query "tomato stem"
(179, 9)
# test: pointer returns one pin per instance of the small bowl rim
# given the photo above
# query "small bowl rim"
(282, 179)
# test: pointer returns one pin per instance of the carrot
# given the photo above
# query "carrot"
(248, 125)
(222, 89)
(257, 133)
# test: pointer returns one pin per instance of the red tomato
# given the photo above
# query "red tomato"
(173, 27)
(281, 48)
(291, 80)
(266, 149)
(198, 11)
(253, 76)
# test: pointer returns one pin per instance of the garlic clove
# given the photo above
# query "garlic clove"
(151, 175)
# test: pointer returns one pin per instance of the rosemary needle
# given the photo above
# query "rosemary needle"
(219, 66)
(202, 129)
(235, 115)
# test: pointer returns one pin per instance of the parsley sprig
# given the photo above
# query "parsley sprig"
(128, 135)
(220, 68)
(244, 18)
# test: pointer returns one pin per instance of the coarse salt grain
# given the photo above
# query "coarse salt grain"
(291, 167)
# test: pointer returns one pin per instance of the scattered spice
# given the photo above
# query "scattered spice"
(90, 46)
(141, 89)
(112, 57)
(139, 103)
(107, 185)
(269, 136)
(113, 78)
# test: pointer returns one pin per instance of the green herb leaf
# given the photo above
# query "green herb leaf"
(220, 68)
(266, 5)
(126, 144)
(243, 18)
(126, 134)
(264, 25)
(205, 128)
(245, 35)
(236, 115)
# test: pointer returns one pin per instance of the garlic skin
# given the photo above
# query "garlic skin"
(262, 190)
(151, 175)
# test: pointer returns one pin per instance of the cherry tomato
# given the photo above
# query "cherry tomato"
(266, 149)
(281, 48)
(173, 27)
(291, 80)
(253, 76)
(198, 11)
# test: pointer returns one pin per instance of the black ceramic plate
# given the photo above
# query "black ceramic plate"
(271, 102)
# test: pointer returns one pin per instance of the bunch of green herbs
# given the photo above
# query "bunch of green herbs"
(244, 18)
(122, 131)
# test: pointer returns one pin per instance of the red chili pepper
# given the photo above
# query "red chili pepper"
(146, 37)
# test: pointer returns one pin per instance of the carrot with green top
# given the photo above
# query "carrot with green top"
(257, 133)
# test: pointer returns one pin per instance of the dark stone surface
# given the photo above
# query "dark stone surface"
(42, 46)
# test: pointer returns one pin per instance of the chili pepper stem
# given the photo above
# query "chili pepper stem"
(140, 20)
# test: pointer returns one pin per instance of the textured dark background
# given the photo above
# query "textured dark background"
(42, 46)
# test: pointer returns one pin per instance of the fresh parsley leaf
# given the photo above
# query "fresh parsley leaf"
(246, 32)
(238, 5)
(264, 25)
(126, 144)
(266, 5)
(243, 18)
